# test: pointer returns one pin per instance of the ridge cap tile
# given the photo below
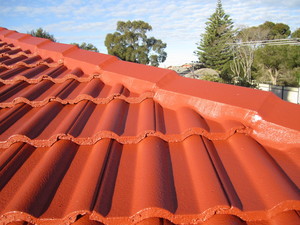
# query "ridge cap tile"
(6, 32)
(16, 35)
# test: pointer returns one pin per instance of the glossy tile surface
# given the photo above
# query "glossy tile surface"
(114, 182)
(70, 91)
(88, 139)
(87, 122)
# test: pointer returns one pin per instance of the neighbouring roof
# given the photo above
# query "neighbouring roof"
(86, 138)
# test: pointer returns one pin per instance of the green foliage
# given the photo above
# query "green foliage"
(266, 31)
(213, 50)
(86, 46)
(240, 81)
(252, 34)
(296, 74)
(278, 64)
(291, 78)
(293, 56)
(271, 56)
(130, 43)
(277, 57)
(213, 78)
(226, 73)
(42, 34)
(296, 33)
(276, 30)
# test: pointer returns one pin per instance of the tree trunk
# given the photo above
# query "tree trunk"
(274, 74)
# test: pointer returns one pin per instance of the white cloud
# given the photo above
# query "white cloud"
(178, 23)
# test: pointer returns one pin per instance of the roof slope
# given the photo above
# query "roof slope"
(88, 139)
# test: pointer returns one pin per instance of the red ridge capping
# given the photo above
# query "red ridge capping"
(284, 113)
(268, 106)
(138, 71)
(5, 32)
(16, 35)
(92, 62)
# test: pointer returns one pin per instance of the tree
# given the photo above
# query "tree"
(42, 34)
(213, 50)
(296, 33)
(130, 43)
(243, 54)
(246, 34)
(270, 60)
(276, 30)
(242, 62)
(279, 63)
(86, 46)
(293, 64)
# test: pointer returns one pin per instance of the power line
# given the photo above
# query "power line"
(290, 41)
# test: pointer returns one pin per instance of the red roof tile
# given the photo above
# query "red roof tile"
(88, 139)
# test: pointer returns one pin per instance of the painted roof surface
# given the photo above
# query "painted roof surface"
(86, 138)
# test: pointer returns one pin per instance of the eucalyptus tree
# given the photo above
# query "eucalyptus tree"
(131, 43)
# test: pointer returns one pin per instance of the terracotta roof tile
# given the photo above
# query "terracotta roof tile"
(70, 91)
(122, 121)
(88, 139)
(112, 178)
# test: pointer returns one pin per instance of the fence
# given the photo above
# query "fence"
(290, 94)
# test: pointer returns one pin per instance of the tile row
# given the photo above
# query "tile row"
(20, 58)
(69, 92)
(289, 217)
(185, 182)
(16, 65)
(87, 122)
(12, 52)
(41, 72)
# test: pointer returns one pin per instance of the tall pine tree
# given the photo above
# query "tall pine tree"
(213, 50)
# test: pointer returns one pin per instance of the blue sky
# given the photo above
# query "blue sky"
(178, 23)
